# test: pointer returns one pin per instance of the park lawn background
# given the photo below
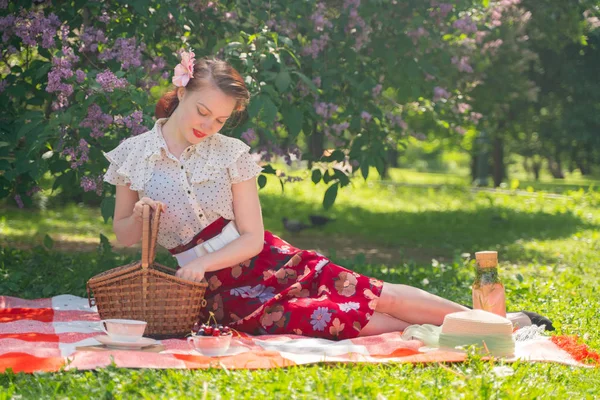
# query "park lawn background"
(415, 228)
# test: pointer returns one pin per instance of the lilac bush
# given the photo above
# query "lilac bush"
(330, 82)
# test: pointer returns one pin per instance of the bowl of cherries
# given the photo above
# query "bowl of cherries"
(210, 339)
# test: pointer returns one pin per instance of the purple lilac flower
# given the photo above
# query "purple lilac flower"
(3, 85)
(475, 117)
(492, 46)
(316, 46)
(396, 120)
(92, 184)
(319, 20)
(376, 91)
(61, 69)
(3, 4)
(440, 93)
(30, 26)
(90, 38)
(156, 65)
(133, 122)
(339, 128)
(356, 24)
(64, 34)
(366, 116)
(325, 110)
(416, 34)
(33, 190)
(126, 51)
(79, 155)
(109, 81)
(19, 201)
(249, 136)
(79, 76)
(460, 130)
(97, 121)
(287, 28)
(104, 18)
(462, 64)
(465, 25)
(463, 108)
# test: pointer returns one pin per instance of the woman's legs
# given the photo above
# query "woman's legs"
(415, 306)
(400, 306)
(382, 323)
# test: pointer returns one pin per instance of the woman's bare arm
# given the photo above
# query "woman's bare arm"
(248, 218)
(127, 220)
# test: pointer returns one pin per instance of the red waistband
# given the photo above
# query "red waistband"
(207, 233)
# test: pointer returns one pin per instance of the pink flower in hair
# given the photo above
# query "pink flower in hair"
(184, 71)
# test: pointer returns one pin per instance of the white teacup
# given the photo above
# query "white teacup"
(210, 346)
(124, 330)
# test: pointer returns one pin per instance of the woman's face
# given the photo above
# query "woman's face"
(203, 113)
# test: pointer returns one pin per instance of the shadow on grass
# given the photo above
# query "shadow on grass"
(397, 237)
(383, 237)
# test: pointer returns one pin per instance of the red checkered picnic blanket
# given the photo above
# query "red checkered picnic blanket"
(44, 334)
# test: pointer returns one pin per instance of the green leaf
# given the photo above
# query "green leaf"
(268, 169)
(140, 6)
(307, 81)
(316, 176)
(364, 169)
(283, 80)
(293, 120)
(330, 195)
(262, 181)
(104, 247)
(48, 242)
(341, 176)
(269, 111)
(255, 106)
(107, 207)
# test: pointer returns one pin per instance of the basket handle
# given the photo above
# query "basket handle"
(149, 234)
(91, 300)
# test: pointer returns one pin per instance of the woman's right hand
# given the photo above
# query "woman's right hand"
(138, 208)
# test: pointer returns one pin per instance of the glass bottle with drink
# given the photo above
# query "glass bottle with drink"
(488, 291)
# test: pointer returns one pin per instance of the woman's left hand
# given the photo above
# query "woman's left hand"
(193, 271)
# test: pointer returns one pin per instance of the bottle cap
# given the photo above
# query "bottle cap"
(487, 259)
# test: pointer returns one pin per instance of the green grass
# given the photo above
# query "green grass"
(549, 248)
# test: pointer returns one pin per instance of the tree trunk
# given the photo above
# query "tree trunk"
(316, 144)
(498, 161)
(473, 167)
(390, 162)
(555, 168)
(582, 165)
(536, 166)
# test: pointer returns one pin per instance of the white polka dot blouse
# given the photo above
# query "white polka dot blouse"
(196, 188)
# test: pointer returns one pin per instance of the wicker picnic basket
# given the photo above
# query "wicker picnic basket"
(148, 291)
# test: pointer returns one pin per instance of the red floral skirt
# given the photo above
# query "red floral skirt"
(286, 290)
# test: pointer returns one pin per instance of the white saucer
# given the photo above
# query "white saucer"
(231, 351)
(114, 344)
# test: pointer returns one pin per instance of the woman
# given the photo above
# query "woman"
(202, 180)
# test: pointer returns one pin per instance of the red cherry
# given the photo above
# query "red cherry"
(216, 332)
(208, 330)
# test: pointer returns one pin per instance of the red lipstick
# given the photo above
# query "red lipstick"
(199, 134)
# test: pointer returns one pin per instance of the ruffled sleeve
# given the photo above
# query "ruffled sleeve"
(132, 162)
(243, 168)
(117, 157)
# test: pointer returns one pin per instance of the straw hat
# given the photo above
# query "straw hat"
(481, 328)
